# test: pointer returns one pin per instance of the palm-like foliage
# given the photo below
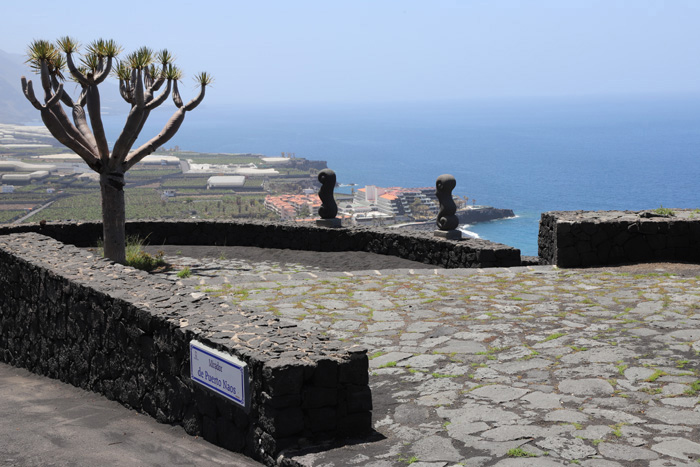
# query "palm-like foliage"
(141, 76)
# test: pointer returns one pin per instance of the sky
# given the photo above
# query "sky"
(333, 51)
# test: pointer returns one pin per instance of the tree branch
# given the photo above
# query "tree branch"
(176, 95)
(125, 91)
(138, 89)
(102, 75)
(46, 80)
(57, 129)
(28, 90)
(75, 72)
(196, 101)
(154, 143)
(160, 99)
(65, 98)
(79, 117)
(93, 106)
(81, 123)
(128, 135)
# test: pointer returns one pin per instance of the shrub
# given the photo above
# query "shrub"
(662, 211)
(136, 257)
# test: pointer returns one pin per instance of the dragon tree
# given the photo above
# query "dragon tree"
(142, 75)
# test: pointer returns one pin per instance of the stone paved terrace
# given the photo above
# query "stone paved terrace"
(530, 366)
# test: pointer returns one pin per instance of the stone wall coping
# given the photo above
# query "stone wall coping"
(240, 332)
(418, 246)
(599, 238)
(647, 215)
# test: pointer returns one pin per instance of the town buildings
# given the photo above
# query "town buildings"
(394, 204)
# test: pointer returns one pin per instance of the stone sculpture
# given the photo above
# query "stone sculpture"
(447, 221)
(329, 208)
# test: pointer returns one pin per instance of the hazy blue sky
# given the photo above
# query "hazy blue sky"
(282, 51)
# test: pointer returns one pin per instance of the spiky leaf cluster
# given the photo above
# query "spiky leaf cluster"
(104, 48)
(93, 62)
(173, 73)
(44, 52)
(204, 78)
(140, 59)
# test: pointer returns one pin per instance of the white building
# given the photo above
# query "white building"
(395, 201)
(226, 181)
(25, 177)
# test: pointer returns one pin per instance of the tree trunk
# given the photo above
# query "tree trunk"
(113, 216)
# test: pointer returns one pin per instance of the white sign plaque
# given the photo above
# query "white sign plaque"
(224, 374)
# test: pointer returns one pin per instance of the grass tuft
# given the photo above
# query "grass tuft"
(662, 211)
(136, 257)
(520, 452)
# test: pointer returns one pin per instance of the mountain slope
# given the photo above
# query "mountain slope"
(14, 107)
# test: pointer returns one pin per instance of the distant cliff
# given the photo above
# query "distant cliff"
(306, 164)
(486, 213)
(466, 216)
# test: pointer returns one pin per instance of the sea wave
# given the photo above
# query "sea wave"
(469, 233)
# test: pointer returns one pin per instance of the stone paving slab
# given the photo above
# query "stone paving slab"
(525, 366)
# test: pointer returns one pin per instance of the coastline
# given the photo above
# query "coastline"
(466, 217)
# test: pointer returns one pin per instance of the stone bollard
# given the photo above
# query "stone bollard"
(447, 221)
(329, 208)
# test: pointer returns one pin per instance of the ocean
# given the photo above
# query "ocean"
(529, 155)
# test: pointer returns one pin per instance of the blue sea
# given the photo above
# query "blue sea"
(529, 155)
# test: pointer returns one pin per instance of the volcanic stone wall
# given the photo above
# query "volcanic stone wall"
(595, 238)
(416, 246)
(124, 333)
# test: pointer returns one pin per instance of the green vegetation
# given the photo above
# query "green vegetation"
(657, 374)
(136, 257)
(149, 174)
(617, 429)
(520, 452)
(139, 259)
(662, 211)
(184, 273)
(694, 388)
(146, 203)
(10, 215)
(553, 336)
(533, 354)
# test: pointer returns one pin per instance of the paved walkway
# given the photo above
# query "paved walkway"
(46, 422)
(509, 367)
